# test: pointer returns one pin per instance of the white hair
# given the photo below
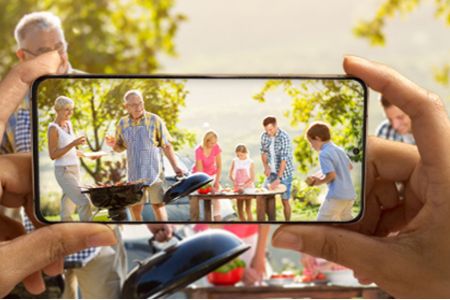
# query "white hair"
(41, 20)
(132, 93)
(62, 101)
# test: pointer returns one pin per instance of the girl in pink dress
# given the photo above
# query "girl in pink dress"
(208, 159)
(242, 174)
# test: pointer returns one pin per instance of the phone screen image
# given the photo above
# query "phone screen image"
(180, 149)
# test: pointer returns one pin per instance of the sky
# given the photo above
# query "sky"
(305, 37)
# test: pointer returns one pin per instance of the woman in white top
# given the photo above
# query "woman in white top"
(62, 145)
(242, 174)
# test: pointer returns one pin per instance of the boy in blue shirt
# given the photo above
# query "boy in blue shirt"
(335, 166)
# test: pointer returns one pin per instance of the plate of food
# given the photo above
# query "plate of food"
(280, 279)
(95, 154)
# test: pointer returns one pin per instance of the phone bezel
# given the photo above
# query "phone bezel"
(35, 135)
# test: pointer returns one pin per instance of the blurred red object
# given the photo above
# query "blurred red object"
(229, 278)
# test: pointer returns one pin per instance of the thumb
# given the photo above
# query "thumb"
(33, 252)
(348, 248)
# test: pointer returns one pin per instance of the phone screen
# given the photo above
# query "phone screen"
(226, 149)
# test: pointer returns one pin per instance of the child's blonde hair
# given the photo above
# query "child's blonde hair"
(208, 136)
(241, 148)
(319, 130)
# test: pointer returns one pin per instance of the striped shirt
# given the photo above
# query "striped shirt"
(143, 139)
(283, 151)
(386, 131)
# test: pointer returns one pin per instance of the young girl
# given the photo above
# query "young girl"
(242, 174)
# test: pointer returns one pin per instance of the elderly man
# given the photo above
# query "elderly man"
(103, 269)
(143, 134)
(276, 156)
(397, 126)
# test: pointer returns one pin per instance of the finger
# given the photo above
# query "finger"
(55, 268)
(344, 247)
(10, 229)
(54, 242)
(47, 63)
(15, 175)
(429, 118)
(34, 283)
(390, 161)
(362, 280)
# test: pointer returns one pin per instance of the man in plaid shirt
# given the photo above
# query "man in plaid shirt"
(276, 156)
(99, 271)
(397, 127)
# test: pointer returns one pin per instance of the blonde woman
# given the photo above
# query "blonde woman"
(62, 144)
(208, 159)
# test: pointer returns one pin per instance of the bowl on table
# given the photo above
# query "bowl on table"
(343, 277)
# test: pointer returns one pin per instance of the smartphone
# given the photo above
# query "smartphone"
(200, 148)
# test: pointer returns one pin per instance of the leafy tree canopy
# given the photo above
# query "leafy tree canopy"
(336, 102)
(104, 36)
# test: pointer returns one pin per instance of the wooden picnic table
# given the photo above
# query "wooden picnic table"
(289, 291)
(265, 203)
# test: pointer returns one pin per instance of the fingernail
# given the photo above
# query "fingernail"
(103, 238)
(287, 240)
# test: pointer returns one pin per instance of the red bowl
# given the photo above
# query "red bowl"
(229, 278)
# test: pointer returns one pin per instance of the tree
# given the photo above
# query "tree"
(337, 102)
(373, 30)
(104, 36)
(99, 105)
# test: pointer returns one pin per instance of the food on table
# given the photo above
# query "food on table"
(226, 190)
(316, 277)
(228, 274)
(261, 190)
(107, 185)
(286, 277)
(206, 189)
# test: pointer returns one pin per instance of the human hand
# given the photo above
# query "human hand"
(16, 84)
(19, 257)
(267, 171)
(274, 184)
(406, 234)
(178, 171)
(161, 232)
(23, 258)
(254, 274)
(110, 141)
(216, 186)
(251, 277)
(310, 180)
(79, 141)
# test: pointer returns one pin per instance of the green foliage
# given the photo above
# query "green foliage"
(373, 30)
(442, 74)
(99, 105)
(336, 102)
(104, 36)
